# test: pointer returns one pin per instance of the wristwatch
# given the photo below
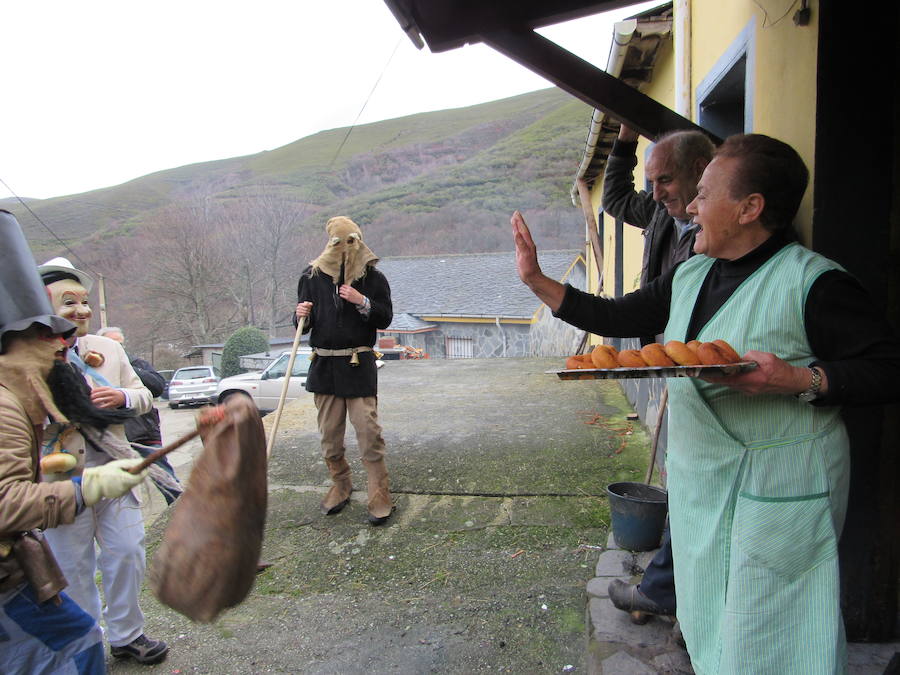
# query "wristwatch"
(812, 393)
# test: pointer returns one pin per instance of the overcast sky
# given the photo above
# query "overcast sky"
(99, 92)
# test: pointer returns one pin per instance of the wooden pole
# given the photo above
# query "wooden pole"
(659, 419)
(284, 388)
(101, 289)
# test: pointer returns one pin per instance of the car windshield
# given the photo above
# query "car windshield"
(279, 368)
(192, 374)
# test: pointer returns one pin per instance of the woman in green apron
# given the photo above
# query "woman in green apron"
(758, 463)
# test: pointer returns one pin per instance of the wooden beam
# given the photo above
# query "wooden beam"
(589, 83)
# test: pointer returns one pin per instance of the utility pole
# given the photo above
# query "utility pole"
(102, 291)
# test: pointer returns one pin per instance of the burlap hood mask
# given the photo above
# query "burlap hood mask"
(345, 248)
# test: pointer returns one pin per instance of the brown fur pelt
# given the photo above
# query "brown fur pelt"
(208, 557)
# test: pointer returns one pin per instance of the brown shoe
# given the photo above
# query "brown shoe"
(629, 598)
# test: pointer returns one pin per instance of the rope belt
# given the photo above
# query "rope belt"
(349, 351)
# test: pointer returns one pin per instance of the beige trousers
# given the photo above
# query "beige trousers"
(332, 419)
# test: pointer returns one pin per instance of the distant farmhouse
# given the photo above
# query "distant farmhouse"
(459, 306)
(475, 306)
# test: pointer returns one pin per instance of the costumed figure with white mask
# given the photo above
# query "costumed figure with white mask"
(344, 301)
(115, 525)
(42, 630)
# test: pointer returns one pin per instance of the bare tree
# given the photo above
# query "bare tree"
(190, 276)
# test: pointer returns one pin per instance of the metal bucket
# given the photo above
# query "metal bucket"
(638, 515)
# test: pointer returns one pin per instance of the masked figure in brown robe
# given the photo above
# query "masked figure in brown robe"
(344, 300)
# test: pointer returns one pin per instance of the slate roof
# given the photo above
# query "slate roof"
(407, 323)
(468, 285)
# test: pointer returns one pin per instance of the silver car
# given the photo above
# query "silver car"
(264, 388)
(193, 385)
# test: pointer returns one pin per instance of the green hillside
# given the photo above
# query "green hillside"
(192, 253)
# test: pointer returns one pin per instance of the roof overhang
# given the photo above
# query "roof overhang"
(508, 26)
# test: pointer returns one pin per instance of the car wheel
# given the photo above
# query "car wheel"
(173, 406)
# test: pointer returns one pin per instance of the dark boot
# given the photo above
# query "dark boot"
(380, 504)
(339, 494)
(628, 598)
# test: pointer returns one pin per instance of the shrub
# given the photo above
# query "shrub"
(246, 340)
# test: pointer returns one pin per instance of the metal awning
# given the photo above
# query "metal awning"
(508, 26)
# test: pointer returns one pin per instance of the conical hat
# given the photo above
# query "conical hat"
(23, 298)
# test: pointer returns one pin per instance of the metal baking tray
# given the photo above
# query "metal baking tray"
(652, 371)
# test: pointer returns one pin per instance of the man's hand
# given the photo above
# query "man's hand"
(771, 376)
(110, 480)
(350, 294)
(107, 397)
(303, 309)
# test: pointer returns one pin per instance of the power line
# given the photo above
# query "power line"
(366, 102)
(84, 265)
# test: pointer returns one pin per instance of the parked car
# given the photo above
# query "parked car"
(167, 376)
(193, 385)
(264, 387)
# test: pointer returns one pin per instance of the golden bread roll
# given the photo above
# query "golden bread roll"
(604, 356)
(655, 355)
(631, 358)
(681, 354)
(711, 355)
(93, 359)
(728, 351)
(693, 345)
(573, 363)
(58, 462)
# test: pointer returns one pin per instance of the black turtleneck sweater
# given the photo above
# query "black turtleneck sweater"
(850, 338)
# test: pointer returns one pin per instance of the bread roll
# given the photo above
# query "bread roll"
(58, 462)
(655, 355)
(711, 355)
(604, 356)
(681, 354)
(631, 358)
(728, 351)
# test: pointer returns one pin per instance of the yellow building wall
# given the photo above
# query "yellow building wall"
(782, 76)
(783, 72)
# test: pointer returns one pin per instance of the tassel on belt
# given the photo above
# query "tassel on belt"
(352, 352)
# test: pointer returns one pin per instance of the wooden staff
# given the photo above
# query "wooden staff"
(659, 418)
(284, 388)
(163, 451)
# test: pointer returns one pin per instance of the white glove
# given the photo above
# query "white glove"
(110, 480)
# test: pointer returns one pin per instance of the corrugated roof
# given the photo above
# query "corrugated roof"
(468, 285)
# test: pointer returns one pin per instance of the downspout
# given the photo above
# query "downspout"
(682, 37)
(622, 34)
(502, 334)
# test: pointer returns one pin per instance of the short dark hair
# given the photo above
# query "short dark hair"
(773, 169)
(685, 148)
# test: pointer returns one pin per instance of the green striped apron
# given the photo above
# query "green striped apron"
(757, 489)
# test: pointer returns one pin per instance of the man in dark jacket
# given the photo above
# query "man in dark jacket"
(675, 165)
(344, 300)
(144, 430)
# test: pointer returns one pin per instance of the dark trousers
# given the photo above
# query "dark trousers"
(658, 582)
